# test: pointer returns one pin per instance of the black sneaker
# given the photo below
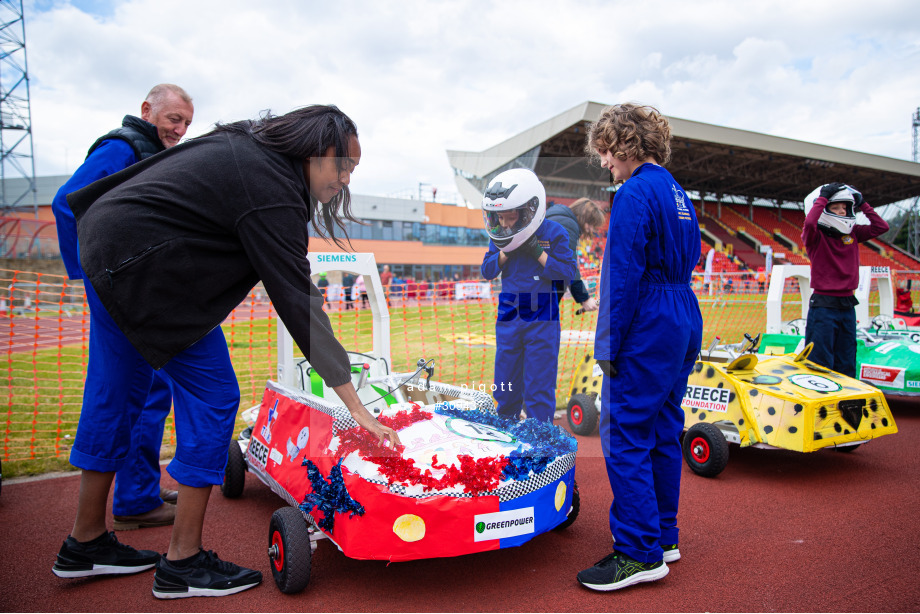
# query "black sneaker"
(101, 556)
(671, 553)
(203, 576)
(619, 571)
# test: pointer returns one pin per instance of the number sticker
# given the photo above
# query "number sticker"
(810, 381)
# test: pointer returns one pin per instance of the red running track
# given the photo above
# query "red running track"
(776, 531)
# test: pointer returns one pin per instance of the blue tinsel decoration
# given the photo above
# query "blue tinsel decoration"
(547, 442)
(329, 495)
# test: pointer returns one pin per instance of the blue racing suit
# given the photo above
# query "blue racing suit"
(137, 482)
(650, 327)
(528, 321)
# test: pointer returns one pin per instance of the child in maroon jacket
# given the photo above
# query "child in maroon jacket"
(832, 238)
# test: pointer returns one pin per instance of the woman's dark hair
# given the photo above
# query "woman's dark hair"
(306, 133)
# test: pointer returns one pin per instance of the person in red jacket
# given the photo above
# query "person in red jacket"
(832, 236)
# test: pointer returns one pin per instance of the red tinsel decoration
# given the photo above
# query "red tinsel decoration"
(475, 475)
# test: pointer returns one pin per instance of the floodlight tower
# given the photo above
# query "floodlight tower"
(913, 215)
(16, 159)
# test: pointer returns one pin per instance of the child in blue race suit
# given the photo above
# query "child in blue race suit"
(649, 331)
(532, 256)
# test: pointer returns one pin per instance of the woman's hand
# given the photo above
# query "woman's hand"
(349, 396)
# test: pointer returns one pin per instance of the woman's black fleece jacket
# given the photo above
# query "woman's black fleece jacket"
(173, 243)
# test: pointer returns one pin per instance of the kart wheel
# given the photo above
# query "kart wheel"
(705, 449)
(235, 473)
(289, 551)
(846, 449)
(582, 414)
(573, 511)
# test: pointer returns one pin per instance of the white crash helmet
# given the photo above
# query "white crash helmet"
(516, 189)
(836, 225)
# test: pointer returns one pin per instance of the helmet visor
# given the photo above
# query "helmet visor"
(505, 224)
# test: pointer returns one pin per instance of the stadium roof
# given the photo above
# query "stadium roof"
(705, 158)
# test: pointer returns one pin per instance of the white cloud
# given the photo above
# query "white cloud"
(420, 77)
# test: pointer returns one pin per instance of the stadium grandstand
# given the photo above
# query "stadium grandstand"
(747, 187)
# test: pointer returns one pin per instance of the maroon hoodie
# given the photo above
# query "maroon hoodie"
(835, 261)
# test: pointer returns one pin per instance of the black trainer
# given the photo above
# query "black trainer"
(671, 553)
(101, 556)
(617, 570)
(203, 576)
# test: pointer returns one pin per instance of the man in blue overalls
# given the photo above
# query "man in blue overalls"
(532, 256)
(649, 332)
(166, 113)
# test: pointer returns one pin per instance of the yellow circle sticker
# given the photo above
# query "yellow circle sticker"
(560, 496)
(409, 528)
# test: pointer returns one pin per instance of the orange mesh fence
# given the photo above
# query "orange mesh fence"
(46, 334)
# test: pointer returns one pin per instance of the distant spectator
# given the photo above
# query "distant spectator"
(398, 288)
(423, 289)
(359, 291)
(348, 282)
(386, 277)
(443, 288)
(761, 278)
(905, 306)
(323, 284)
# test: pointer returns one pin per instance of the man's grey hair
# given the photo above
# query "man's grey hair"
(160, 92)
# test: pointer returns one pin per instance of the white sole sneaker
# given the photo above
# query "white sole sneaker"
(643, 576)
(99, 570)
(202, 592)
(670, 556)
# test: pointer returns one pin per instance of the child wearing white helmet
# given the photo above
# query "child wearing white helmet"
(532, 256)
(831, 237)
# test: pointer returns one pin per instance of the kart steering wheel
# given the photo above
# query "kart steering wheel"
(882, 321)
(794, 327)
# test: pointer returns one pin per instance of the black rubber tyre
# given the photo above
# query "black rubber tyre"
(235, 473)
(573, 511)
(705, 449)
(846, 449)
(582, 414)
(289, 552)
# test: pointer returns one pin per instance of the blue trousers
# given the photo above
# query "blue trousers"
(526, 360)
(204, 390)
(833, 331)
(641, 422)
(137, 483)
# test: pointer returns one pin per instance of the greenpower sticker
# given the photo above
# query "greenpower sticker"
(499, 525)
(810, 381)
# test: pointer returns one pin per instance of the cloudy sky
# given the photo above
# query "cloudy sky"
(423, 76)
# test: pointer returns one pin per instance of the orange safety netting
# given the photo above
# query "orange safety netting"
(45, 323)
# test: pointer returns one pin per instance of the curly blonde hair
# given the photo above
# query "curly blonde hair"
(631, 130)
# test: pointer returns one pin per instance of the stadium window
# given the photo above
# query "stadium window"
(387, 231)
